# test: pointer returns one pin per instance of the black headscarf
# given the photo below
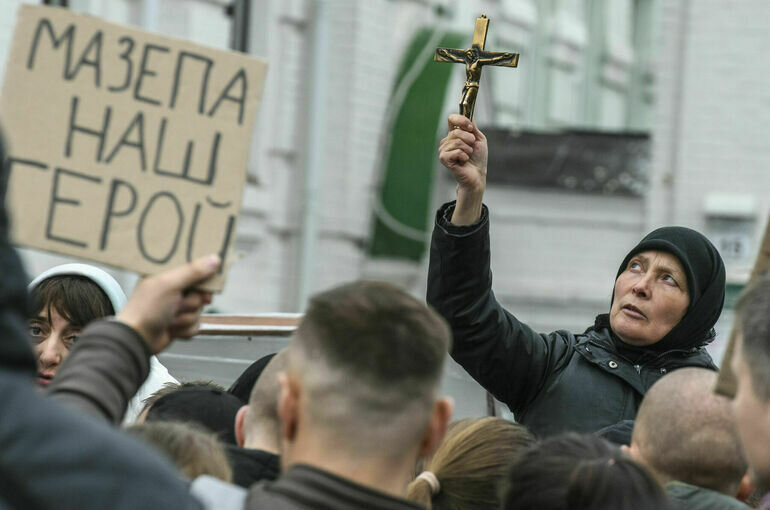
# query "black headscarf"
(15, 351)
(705, 282)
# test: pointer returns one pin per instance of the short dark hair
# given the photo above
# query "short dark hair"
(371, 355)
(616, 484)
(212, 409)
(171, 387)
(572, 467)
(77, 299)
(753, 317)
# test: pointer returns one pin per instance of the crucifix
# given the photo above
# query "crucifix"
(474, 59)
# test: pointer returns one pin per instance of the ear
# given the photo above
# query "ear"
(143, 415)
(746, 488)
(240, 416)
(442, 413)
(633, 451)
(288, 406)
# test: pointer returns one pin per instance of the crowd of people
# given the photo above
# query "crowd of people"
(350, 415)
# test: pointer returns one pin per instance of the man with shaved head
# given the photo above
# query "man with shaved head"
(257, 429)
(358, 401)
(687, 436)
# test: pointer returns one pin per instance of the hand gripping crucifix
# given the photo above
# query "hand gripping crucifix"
(474, 59)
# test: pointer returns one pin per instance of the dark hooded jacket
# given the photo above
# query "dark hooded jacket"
(50, 456)
(555, 382)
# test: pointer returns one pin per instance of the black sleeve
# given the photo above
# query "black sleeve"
(504, 355)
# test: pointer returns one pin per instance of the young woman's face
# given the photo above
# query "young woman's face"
(52, 341)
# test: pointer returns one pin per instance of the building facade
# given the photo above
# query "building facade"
(688, 76)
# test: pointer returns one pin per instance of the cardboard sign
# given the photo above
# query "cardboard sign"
(127, 148)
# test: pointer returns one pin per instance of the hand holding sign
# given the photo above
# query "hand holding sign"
(127, 148)
(163, 307)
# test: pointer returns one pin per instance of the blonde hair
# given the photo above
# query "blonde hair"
(470, 464)
(194, 451)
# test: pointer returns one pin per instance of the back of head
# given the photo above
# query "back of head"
(262, 416)
(194, 451)
(171, 387)
(369, 358)
(470, 465)
(615, 484)
(685, 432)
(212, 409)
(544, 475)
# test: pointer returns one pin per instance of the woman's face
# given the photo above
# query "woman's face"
(650, 298)
(52, 341)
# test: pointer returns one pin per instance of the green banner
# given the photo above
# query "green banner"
(401, 217)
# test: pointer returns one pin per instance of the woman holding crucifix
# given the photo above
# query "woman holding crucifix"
(667, 296)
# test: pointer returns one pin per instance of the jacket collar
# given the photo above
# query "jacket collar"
(598, 348)
(671, 359)
(252, 465)
(321, 489)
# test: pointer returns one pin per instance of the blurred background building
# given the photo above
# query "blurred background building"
(622, 116)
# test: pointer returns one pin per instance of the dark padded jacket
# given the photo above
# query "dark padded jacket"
(555, 382)
(51, 456)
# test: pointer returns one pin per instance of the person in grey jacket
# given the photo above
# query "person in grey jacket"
(668, 295)
(54, 457)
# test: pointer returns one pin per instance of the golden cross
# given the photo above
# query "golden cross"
(474, 59)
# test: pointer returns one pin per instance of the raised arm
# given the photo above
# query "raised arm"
(504, 355)
(449, 55)
(464, 153)
(497, 58)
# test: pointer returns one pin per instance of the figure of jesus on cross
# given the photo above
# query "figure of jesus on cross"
(474, 59)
